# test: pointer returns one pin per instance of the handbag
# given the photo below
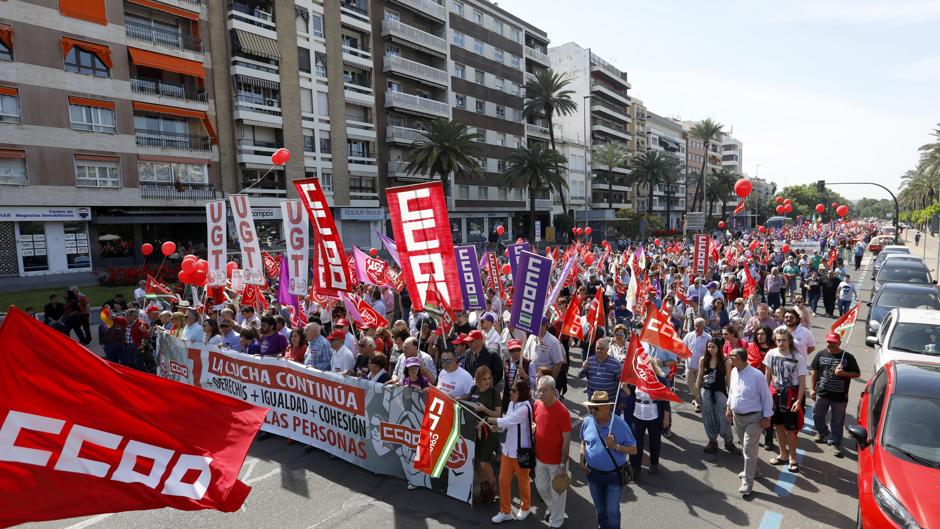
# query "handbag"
(525, 456)
(625, 472)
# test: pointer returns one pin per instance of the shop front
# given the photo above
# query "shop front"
(44, 240)
(358, 226)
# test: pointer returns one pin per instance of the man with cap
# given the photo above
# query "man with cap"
(409, 348)
(487, 321)
(832, 371)
(342, 324)
(606, 441)
(464, 358)
(516, 366)
(544, 350)
(342, 359)
(713, 294)
(485, 357)
(229, 336)
(453, 380)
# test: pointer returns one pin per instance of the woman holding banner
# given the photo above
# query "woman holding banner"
(485, 401)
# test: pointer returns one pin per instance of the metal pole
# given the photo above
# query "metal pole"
(587, 163)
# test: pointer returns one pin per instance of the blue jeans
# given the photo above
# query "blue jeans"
(844, 306)
(605, 491)
(837, 421)
(773, 299)
(813, 301)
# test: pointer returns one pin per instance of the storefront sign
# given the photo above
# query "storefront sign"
(360, 213)
(44, 214)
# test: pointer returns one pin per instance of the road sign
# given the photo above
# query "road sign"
(695, 221)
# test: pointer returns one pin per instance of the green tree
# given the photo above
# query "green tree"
(720, 188)
(805, 197)
(611, 155)
(536, 168)
(653, 168)
(446, 147)
(874, 207)
(546, 96)
(707, 131)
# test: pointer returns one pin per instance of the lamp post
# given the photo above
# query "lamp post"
(587, 163)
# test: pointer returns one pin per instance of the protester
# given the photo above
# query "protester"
(786, 373)
(517, 423)
(248, 342)
(453, 380)
(272, 342)
(714, 370)
(486, 404)
(516, 367)
(484, 357)
(830, 286)
(296, 346)
(606, 441)
(341, 358)
(803, 338)
(750, 408)
(414, 376)
(603, 373)
(319, 355)
(696, 341)
(832, 371)
(426, 363)
(53, 312)
(847, 294)
(229, 336)
(212, 333)
(552, 439)
(192, 328)
(378, 369)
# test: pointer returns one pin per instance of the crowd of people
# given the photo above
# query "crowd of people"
(747, 323)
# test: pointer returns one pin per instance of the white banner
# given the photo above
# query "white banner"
(217, 241)
(253, 270)
(296, 234)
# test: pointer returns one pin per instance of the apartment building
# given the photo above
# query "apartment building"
(732, 154)
(603, 116)
(107, 132)
(666, 136)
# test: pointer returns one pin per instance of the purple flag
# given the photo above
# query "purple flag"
(514, 250)
(530, 284)
(560, 282)
(351, 311)
(468, 269)
(390, 246)
(284, 296)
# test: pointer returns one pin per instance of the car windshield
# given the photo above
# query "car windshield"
(912, 426)
(909, 300)
(920, 338)
(903, 275)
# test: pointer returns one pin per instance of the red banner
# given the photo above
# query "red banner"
(595, 315)
(425, 247)
(492, 270)
(658, 330)
(571, 326)
(84, 436)
(272, 267)
(439, 432)
(700, 257)
(638, 371)
(369, 316)
(332, 271)
(393, 279)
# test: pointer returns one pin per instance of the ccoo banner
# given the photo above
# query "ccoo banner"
(468, 266)
(296, 235)
(216, 248)
(331, 272)
(514, 251)
(252, 267)
(530, 286)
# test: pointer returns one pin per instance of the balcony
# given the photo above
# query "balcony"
(416, 70)
(618, 112)
(408, 102)
(537, 131)
(255, 103)
(166, 90)
(172, 140)
(396, 169)
(617, 96)
(602, 126)
(414, 37)
(529, 76)
(427, 8)
(266, 184)
(606, 69)
(253, 15)
(537, 56)
(357, 57)
(403, 135)
(162, 38)
(177, 191)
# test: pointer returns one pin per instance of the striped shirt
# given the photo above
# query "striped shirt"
(602, 376)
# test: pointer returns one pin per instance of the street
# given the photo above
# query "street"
(295, 489)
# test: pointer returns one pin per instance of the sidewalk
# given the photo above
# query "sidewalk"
(927, 249)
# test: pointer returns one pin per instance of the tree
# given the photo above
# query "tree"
(536, 168)
(919, 188)
(805, 197)
(651, 168)
(547, 96)
(446, 147)
(722, 183)
(611, 155)
(707, 131)
(874, 207)
(930, 156)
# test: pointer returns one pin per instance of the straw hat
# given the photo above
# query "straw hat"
(599, 398)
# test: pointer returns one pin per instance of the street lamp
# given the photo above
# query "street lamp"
(587, 164)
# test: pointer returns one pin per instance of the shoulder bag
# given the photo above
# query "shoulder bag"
(525, 456)
(625, 471)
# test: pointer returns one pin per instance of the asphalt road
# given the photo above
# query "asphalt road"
(294, 489)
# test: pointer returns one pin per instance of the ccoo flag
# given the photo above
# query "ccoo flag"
(530, 287)
(439, 433)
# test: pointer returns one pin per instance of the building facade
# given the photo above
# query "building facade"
(666, 136)
(695, 160)
(107, 131)
(732, 154)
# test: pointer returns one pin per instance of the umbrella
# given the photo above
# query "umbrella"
(110, 237)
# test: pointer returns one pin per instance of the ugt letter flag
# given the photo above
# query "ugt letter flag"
(81, 436)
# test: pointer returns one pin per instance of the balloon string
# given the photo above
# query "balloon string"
(258, 181)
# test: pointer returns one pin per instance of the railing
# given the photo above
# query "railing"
(536, 55)
(426, 7)
(161, 37)
(357, 52)
(611, 70)
(609, 106)
(253, 15)
(161, 89)
(393, 133)
(178, 191)
(604, 86)
(401, 99)
(533, 129)
(416, 69)
(413, 34)
(171, 140)
(262, 105)
(595, 122)
(352, 5)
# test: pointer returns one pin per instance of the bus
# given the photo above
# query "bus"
(778, 222)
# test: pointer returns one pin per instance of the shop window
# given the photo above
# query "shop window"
(86, 63)
(116, 240)
(13, 168)
(77, 251)
(32, 243)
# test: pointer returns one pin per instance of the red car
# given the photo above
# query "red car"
(898, 434)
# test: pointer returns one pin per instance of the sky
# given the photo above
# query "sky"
(835, 90)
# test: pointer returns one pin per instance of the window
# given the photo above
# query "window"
(170, 172)
(392, 51)
(501, 111)
(309, 143)
(499, 84)
(362, 184)
(500, 166)
(458, 39)
(326, 180)
(320, 64)
(500, 139)
(325, 147)
(515, 35)
(303, 59)
(514, 60)
(480, 77)
(457, 7)
(463, 192)
(323, 104)
(306, 100)
(502, 192)
(498, 26)
(483, 193)
(13, 167)
(460, 101)
(97, 172)
(392, 15)
(478, 17)
(481, 106)
(316, 25)
(94, 119)
(9, 105)
(460, 70)
(877, 400)
(6, 52)
(498, 55)
(394, 86)
(350, 42)
(86, 63)
(478, 46)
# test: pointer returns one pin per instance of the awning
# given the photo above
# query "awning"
(8, 91)
(90, 10)
(166, 9)
(257, 45)
(179, 112)
(102, 51)
(88, 102)
(254, 81)
(6, 36)
(167, 62)
(97, 158)
(12, 153)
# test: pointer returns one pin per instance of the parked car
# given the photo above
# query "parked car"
(877, 243)
(893, 271)
(907, 334)
(898, 435)
(884, 255)
(899, 295)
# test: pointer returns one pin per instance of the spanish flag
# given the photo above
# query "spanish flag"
(105, 316)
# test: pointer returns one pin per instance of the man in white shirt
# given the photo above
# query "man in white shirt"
(410, 349)
(192, 331)
(140, 293)
(712, 295)
(696, 340)
(750, 408)
(544, 350)
(248, 318)
(343, 360)
(493, 341)
(453, 380)
(803, 338)
(349, 340)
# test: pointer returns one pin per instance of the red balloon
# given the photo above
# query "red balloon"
(280, 156)
(146, 248)
(721, 224)
(835, 205)
(190, 257)
(574, 231)
(506, 252)
(779, 210)
(788, 208)
(787, 201)
(373, 252)
(230, 267)
(743, 187)
(183, 276)
(820, 208)
(785, 248)
(779, 200)
(589, 259)
(657, 242)
(588, 230)
(188, 266)
(168, 248)
(199, 278)
(842, 210)
(506, 269)
(202, 266)
(580, 231)
(761, 229)
(500, 230)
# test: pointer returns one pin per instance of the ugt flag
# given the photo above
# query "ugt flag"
(439, 433)
(81, 436)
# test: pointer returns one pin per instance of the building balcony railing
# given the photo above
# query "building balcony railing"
(425, 7)
(618, 111)
(161, 89)
(532, 129)
(415, 70)
(252, 15)
(417, 104)
(396, 169)
(403, 134)
(414, 35)
(163, 38)
(177, 191)
(263, 105)
(618, 95)
(529, 76)
(537, 56)
(171, 140)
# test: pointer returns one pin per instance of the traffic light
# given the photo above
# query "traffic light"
(820, 186)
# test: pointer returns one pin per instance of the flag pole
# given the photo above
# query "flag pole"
(466, 408)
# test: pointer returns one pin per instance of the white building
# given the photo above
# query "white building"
(665, 136)
(732, 154)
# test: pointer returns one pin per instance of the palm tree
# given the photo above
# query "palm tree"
(651, 168)
(713, 193)
(724, 180)
(611, 155)
(547, 96)
(707, 131)
(535, 168)
(446, 147)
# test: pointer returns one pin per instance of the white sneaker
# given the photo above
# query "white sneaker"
(521, 515)
(744, 489)
(412, 487)
(502, 517)
(757, 474)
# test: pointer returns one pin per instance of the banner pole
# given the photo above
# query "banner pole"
(466, 408)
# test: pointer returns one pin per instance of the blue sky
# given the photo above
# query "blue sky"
(840, 90)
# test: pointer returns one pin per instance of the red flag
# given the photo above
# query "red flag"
(156, 289)
(680, 295)
(439, 433)
(331, 272)
(83, 436)
(638, 371)
(844, 324)
(572, 324)
(492, 270)
(595, 315)
(739, 208)
(658, 330)
(369, 315)
(750, 284)
(272, 267)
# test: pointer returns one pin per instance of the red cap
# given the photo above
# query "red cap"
(152, 308)
(461, 338)
(337, 335)
(474, 335)
(513, 344)
(833, 338)
(342, 322)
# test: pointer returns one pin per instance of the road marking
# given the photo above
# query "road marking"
(91, 521)
(787, 479)
(248, 468)
(770, 520)
(809, 426)
(263, 477)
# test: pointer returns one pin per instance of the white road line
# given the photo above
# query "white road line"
(248, 468)
(91, 521)
(263, 477)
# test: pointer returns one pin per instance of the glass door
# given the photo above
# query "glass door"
(31, 238)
